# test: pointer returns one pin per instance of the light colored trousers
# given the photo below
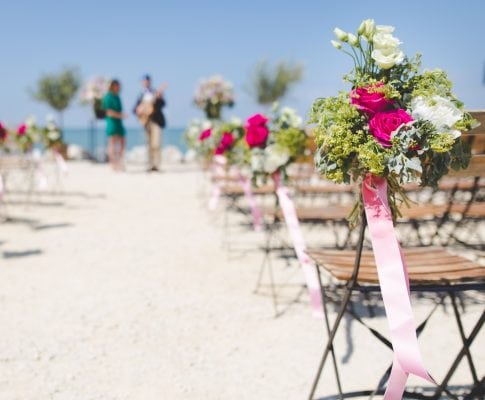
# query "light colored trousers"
(153, 134)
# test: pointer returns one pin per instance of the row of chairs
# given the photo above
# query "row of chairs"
(442, 225)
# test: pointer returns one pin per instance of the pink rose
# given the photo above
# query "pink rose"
(370, 101)
(205, 134)
(225, 144)
(256, 131)
(384, 123)
(22, 129)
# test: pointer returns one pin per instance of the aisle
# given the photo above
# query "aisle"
(119, 289)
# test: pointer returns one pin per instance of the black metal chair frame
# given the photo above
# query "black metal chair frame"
(352, 285)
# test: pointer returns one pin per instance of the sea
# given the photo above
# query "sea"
(92, 138)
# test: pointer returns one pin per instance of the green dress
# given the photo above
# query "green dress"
(114, 126)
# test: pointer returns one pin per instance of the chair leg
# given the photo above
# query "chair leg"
(466, 346)
(463, 339)
(327, 326)
(343, 307)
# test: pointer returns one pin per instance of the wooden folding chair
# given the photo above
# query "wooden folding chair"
(431, 269)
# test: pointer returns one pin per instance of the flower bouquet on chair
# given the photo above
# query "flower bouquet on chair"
(393, 126)
(395, 122)
(274, 144)
(92, 93)
(26, 135)
(3, 136)
(212, 95)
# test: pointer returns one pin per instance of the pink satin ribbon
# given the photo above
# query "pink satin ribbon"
(61, 163)
(218, 171)
(255, 211)
(40, 175)
(309, 269)
(394, 284)
(1, 189)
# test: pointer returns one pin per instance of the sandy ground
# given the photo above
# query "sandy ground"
(119, 288)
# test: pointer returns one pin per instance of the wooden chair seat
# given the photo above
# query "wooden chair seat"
(417, 211)
(323, 189)
(315, 214)
(237, 190)
(426, 265)
(226, 178)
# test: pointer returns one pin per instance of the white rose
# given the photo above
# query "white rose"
(341, 35)
(387, 57)
(441, 112)
(275, 157)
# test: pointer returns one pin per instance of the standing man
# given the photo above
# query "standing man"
(148, 109)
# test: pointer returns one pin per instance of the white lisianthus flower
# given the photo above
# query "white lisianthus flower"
(290, 117)
(206, 125)
(341, 35)
(275, 157)
(386, 51)
(353, 41)
(384, 29)
(367, 28)
(441, 112)
(53, 135)
(235, 121)
(384, 40)
(30, 122)
(336, 44)
(387, 57)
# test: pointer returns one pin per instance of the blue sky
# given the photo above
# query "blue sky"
(180, 41)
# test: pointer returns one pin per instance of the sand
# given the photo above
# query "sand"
(119, 288)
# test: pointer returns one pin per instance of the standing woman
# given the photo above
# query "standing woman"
(114, 125)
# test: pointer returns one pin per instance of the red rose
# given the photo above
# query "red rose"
(3, 132)
(22, 129)
(205, 134)
(384, 123)
(225, 144)
(256, 131)
(370, 101)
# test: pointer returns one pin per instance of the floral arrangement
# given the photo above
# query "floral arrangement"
(395, 122)
(274, 144)
(217, 138)
(212, 94)
(51, 134)
(26, 135)
(3, 135)
(92, 94)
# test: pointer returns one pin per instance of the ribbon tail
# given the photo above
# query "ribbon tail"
(1, 189)
(397, 382)
(216, 194)
(61, 163)
(255, 211)
(309, 269)
(394, 282)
